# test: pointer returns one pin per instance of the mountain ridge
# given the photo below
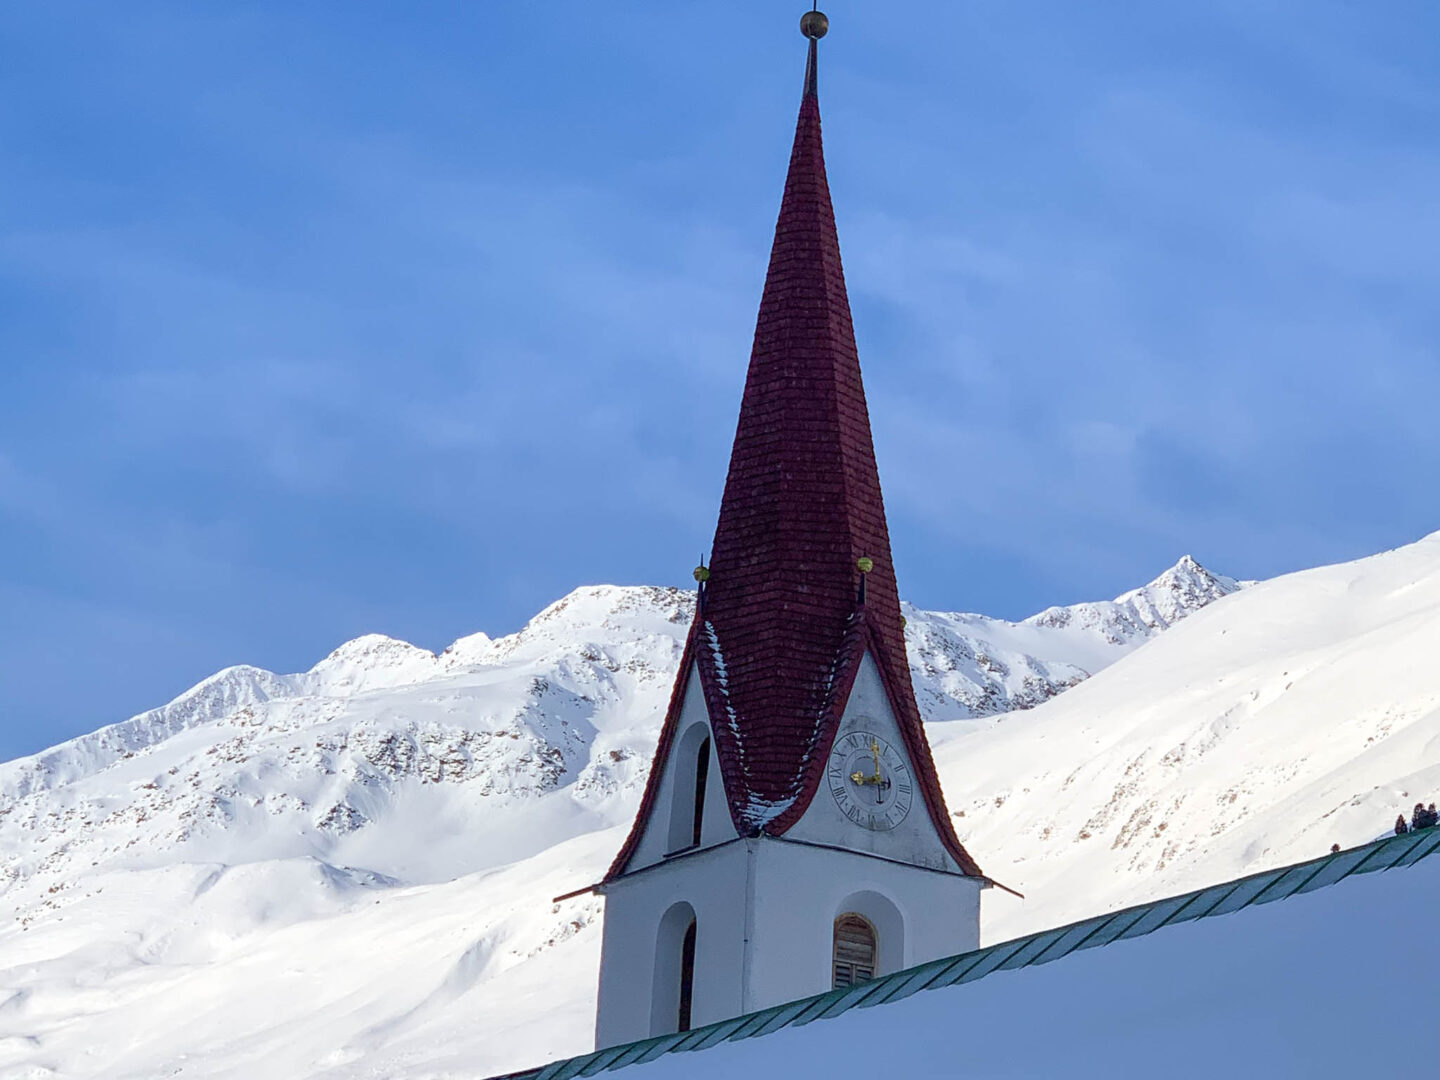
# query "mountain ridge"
(375, 661)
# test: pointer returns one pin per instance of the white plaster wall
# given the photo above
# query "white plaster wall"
(799, 891)
(914, 840)
(765, 913)
(714, 882)
(716, 827)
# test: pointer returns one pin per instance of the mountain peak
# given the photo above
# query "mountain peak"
(1141, 613)
(1186, 568)
(1181, 590)
(370, 662)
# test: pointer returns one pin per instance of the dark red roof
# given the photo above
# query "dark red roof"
(780, 634)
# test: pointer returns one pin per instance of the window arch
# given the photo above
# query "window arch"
(690, 771)
(887, 927)
(855, 952)
(672, 995)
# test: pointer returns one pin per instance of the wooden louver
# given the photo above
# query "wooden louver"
(854, 951)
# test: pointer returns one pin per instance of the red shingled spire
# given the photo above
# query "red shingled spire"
(782, 629)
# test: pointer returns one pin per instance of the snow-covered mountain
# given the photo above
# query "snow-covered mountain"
(330, 763)
(348, 872)
(344, 762)
(971, 665)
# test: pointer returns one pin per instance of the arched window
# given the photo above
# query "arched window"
(702, 772)
(855, 950)
(687, 976)
(673, 991)
(691, 765)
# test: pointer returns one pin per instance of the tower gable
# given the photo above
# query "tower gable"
(664, 826)
(914, 838)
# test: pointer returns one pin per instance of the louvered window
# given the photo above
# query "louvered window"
(854, 950)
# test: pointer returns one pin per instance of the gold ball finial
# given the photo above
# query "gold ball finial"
(865, 563)
(702, 573)
(814, 25)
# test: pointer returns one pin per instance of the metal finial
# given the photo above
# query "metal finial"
(865, 565)
(814, 25)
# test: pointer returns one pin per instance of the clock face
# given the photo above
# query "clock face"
(870, 781)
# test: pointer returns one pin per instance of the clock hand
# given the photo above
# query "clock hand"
(879, 779)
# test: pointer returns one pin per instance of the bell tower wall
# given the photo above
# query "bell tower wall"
(800, 891)
(640, 961)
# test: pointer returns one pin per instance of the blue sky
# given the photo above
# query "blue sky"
(324, 319)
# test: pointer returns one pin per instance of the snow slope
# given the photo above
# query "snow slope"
(1302, 712)
(347, 873)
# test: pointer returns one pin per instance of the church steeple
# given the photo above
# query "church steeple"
(780, 848)
(787, 614)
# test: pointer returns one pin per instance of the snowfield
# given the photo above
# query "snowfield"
(348, 872)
